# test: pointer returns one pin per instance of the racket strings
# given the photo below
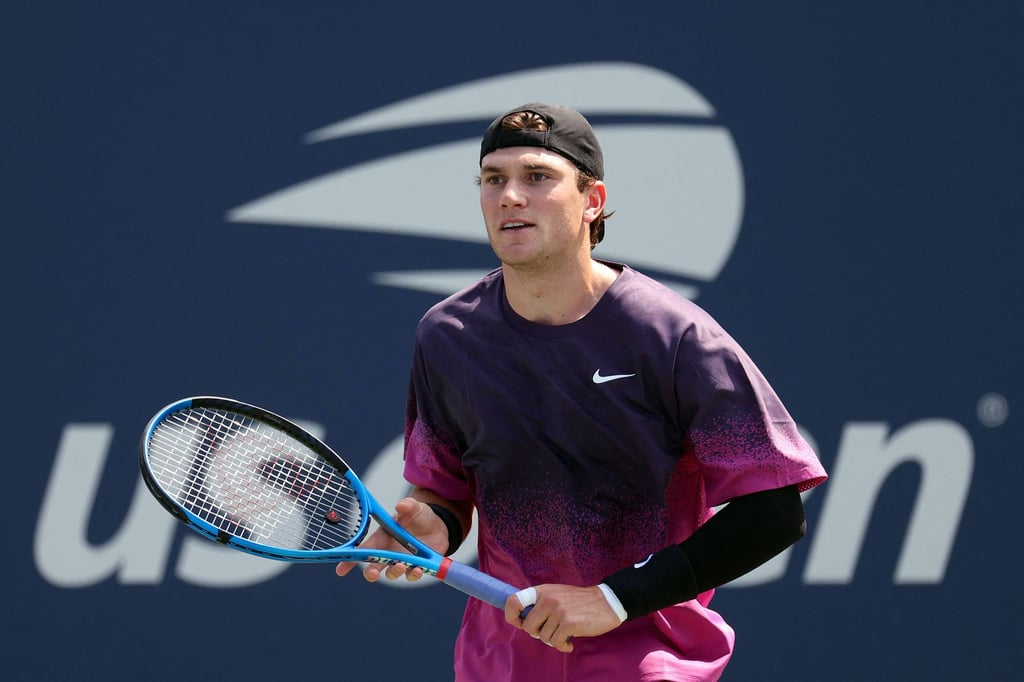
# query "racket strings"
(249, 479)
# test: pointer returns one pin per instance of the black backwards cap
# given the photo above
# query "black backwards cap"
(568, 134)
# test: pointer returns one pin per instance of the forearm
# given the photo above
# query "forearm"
(749, 531)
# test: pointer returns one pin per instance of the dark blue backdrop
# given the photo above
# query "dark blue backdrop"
(875, 155)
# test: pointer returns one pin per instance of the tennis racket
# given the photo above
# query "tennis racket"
(256, 482)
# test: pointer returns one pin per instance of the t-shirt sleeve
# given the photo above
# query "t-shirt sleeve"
(432, 458)
(743, 438)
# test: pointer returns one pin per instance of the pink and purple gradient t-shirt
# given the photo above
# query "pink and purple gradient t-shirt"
(586, 447)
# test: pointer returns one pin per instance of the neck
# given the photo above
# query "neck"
(557, 297)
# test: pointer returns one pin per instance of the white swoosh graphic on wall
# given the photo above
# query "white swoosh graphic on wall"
(677, 188)
(594, 88)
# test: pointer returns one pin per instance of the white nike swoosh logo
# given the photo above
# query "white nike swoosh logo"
(643, 563)
(598, 379)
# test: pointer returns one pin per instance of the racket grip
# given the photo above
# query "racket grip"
(480, 585)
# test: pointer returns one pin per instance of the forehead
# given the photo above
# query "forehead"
(508, 158)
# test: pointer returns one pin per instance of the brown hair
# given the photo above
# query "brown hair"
(528, 120)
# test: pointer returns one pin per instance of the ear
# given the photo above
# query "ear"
(596, 196)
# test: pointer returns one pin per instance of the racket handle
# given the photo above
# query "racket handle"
(480, 585)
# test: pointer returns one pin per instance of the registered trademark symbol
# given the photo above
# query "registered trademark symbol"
(993, 410)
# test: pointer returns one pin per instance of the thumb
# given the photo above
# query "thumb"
(408, 506)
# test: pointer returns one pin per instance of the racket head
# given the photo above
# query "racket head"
(257, 482)
(253, 480)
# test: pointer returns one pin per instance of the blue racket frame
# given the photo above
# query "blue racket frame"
(460, 576)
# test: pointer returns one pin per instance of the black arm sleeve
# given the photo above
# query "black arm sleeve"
(749, 531)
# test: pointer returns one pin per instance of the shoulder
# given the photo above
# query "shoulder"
(481, 298)
(655, 304)
(662, 323)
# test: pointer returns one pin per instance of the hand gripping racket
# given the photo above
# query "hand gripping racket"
(256, 482)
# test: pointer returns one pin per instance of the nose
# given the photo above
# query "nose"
(512, 195)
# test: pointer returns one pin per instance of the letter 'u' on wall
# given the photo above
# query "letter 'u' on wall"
(139, 551)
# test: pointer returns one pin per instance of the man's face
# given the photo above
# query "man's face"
(534, 213)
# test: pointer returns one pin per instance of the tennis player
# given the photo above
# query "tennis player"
(592, 418)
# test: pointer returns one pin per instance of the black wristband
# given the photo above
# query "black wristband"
(453, 525)
(666, 578)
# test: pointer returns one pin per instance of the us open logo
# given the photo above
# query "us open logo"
(676, 183)
(674, 176)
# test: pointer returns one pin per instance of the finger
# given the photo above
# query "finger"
(395, 571)
(564, 645)
(548, 631)
(557, 638)
(527, 597)
(516, 604)
(372, 572)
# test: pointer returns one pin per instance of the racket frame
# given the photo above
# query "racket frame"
(462, 577)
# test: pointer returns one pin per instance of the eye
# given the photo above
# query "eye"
(538, 176)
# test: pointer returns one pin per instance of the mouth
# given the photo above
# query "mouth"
(513, 225)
